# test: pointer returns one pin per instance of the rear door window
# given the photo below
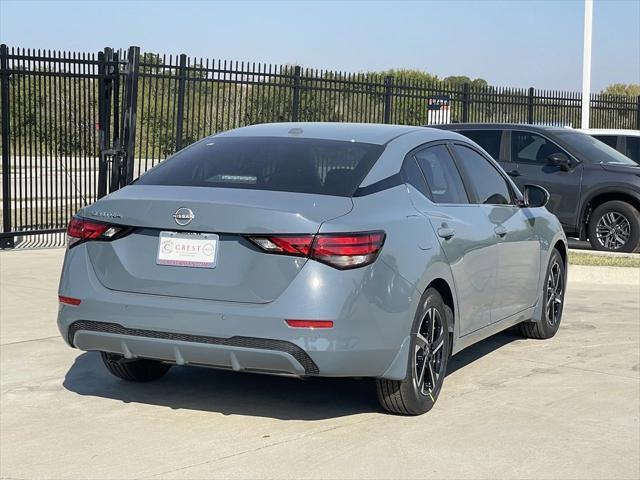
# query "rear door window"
(489, 140)
(441, 173)
(531, 148)
(302, 165)
(490, 187)
(414, 177)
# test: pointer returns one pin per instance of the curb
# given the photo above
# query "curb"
(598, 253)
(605, 275)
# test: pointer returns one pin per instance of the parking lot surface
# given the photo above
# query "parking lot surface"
(510, 408)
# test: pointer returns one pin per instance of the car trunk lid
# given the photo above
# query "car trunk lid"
(242, 272)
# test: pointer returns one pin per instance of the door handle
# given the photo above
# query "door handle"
(500, 231)
(446, 233)
(513, 173)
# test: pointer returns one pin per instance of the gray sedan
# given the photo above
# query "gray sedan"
(313, 249)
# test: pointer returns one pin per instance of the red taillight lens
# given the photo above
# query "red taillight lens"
(340, 250)
(81, 229)
(298, 245)
(310, 323)
(348, 251)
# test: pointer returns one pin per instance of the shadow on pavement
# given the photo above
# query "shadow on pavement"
(233, 393)
(229, 393)
(480, 349)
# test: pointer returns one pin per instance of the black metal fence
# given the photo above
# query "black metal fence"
(76, 125)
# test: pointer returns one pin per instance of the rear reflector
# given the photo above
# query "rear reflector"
(310, 323)
(340, 250)
(69, 300)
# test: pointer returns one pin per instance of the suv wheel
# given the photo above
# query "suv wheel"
(615, 227)
(140, 370)
(429, 352)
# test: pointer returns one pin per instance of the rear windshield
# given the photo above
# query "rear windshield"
(594, 150)
(303, 165)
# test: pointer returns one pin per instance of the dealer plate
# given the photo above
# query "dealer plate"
(181, 249)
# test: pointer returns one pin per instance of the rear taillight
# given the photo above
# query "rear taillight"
(80, 230)
(347, 251)
(298, 245)
(340, 250)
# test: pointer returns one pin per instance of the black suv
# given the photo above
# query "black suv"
(595, 190)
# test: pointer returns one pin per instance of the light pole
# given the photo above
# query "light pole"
(586, 62)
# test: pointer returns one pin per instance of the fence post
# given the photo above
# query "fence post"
(104, 117)
(182, 78)
(131, 103)
(638, 114)
(388, 96)
(530, 106)
(113, 70)
(102, 161)
(5, 242)
(295, 102)
(466, 101)
(114, 115)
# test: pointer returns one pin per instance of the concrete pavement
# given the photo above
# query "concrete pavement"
(510, 408)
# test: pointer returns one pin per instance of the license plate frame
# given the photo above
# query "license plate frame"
(187, 249)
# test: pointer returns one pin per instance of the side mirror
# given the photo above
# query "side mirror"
(560, 160)
(535, 196)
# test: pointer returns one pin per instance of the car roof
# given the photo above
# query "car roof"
(375, 133)
(502, 126)
(610, 131)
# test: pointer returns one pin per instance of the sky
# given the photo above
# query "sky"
(517, 43)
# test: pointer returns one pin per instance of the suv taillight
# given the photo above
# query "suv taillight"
(340, 250)
(80, 230)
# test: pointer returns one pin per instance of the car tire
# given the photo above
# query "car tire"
(430, 346)
(615, 215)
(553, 301)
(140, 370)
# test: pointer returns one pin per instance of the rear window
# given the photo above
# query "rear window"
(610, 140)
(633, 148)
(303, 165)
(487, 139)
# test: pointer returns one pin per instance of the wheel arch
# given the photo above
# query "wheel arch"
(398, 367)
(558, 242)
(445, 291)
(603, 196)
(561, 246)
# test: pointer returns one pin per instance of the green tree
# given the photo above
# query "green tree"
(462, 79)
(623, 89)
(403, 75)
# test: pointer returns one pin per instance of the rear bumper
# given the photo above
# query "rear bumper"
(372, 309)
(236, 353)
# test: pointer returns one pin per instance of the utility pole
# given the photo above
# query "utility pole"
(586, 62)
